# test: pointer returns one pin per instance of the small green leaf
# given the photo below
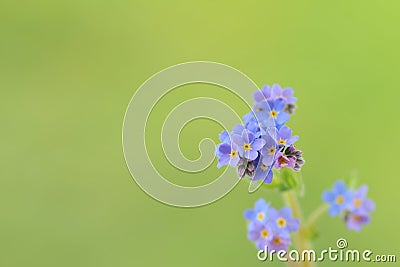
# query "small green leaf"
(289, 180)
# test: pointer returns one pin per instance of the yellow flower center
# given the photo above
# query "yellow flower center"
(246, 146)
(356, 217)
(271, 150)
(282, 160)
(281, 222)
(264, 233)
(282, 142)
(259, 109)
(273, 114)
(260, 216)
(277, 240)
(233, 153)
(357, 202)
(339, 200)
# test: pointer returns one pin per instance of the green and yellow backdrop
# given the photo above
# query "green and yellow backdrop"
(68, 70)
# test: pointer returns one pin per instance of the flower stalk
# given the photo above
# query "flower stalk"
(301, 237)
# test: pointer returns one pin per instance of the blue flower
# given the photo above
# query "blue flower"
(227, 154)
(280, 241)
(269, 150)
(249, 126)
(338, 198)
(225, 137)
(274, 110)
(359, 209)
(256, 144)
(259, 213)
(285, 94)
(283, 220)
(283, 136)
(268, 93)
(355, 220)
(247, 144)
(265, 94)
(270, 228)
(238, 129)
(260, 233)
(353, 206)
(359, 201)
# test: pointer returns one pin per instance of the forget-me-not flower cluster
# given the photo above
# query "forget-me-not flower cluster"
(263, 141)
(268, 227)
(352, 205)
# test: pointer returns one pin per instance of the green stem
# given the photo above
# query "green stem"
(316, 215)
(301, 237)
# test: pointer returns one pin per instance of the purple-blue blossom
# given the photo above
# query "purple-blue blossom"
(260, 233)
(283, 220)
(280, 241)
(247, 144)
(263, 142)
(268, 93)
(359, 201)
(283, 136)
(259, 212)
(285, 94)
(270, 228)
(353, 206)
(227, 154)
(355, 220)
(266, 111)
(338, 198)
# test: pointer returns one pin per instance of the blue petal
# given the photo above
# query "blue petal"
(279, 105)
(268, 178)
(282, 118)
(260, 205)
(249, 214)
(294, 225)
(328, 196)
(266, 89)
(257, 144)
(252, 155)
(276, 90)
(258, 96)
(292, 140)
(224, 137)
(334, 210)
(248, 117)
(238, 129)
(224, 149)
(253, 235)
(286, 212)
(284, 133)
(273, 213)
(339, 187)
(234, 161)
(267, 160)
(237, 139)
(223, 160)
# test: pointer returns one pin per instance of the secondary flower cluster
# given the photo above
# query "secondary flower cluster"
(263, 141)
(268, 227)
(352, 205)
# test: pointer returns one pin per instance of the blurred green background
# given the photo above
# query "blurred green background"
(69, 68)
